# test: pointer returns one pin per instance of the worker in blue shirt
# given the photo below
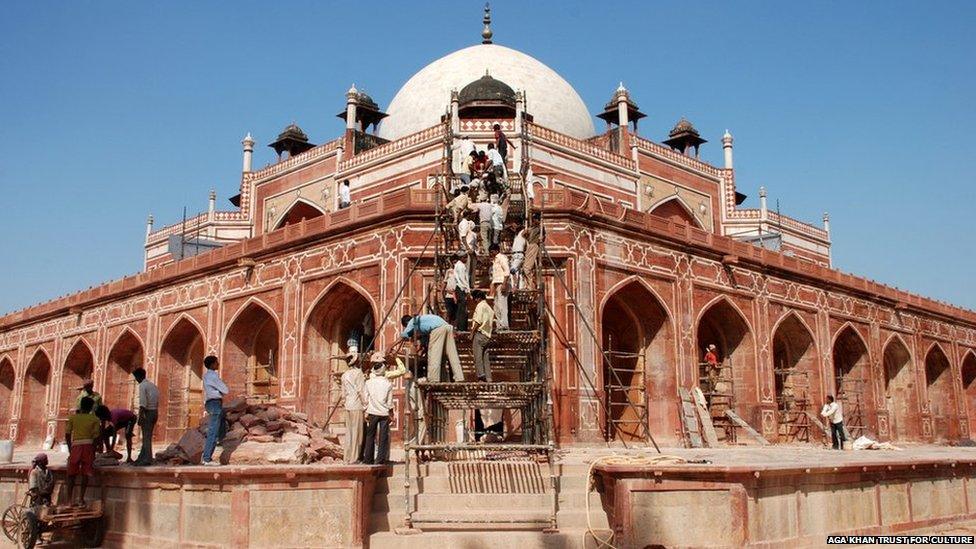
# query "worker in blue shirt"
(437, 335)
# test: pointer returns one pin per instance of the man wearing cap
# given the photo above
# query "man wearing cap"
(88, 390)
(353, 383)
(40, 482)
(711, 365)
(378, 396)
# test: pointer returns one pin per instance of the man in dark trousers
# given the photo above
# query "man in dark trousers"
(378, 395)
(148, 414)
(501, 142)
(835, 415)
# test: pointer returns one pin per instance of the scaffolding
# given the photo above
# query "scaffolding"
(793, 404)
(521, 381)
(850, 392)
(618, 394)
(718, 385)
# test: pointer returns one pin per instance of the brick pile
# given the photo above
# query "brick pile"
(258, 434)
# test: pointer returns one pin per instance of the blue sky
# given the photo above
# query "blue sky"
(112, 110)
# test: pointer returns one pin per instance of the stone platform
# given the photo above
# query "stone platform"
(781, 496)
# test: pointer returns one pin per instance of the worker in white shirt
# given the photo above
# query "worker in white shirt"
(148, 414)
(345, 199)
(462, 288)
(497, 219)
(353, 382)
(496, 170)
(835, 415)
(467, 234)
(458, 205)
(517, 256)
(214, 390)
(500, 275)
(378, 395)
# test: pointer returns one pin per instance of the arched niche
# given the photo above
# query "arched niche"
(125, 356)
(852, 381)
(7, 381)
(942, 402)
(298, 212)
(899, 391)
(724, 326)
(180, 379)
(251, 355)
(638, 366)
(797, 380)
(968, 372)
(675, 210)
(343, 311)
(79, 366)
(33, 412)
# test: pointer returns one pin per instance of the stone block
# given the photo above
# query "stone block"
(937, 498)
(832, 508)
(663, 518)
(773, 513)
(894, 502)
(300, 518)
(191, 444)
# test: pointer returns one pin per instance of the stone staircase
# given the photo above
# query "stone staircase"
(451, 498)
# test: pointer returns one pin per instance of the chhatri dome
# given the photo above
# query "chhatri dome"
(422, 101)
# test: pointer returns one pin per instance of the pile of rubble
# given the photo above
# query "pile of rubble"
(258, 434)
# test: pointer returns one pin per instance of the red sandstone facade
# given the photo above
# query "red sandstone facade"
(648, 239)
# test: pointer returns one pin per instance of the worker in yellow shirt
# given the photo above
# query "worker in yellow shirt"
(82, 432)
(481, 324)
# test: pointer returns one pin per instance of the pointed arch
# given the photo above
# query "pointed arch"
(8, 379)
(638, 366)
(299, 210)
(181, 318)
(342, 311)
(125, 355)
(939, 389)
(675, 209)
(733, 384)
(180, 377)
(33, 408)
(643, 283)
(78, 366)
(901, 398)
(967, 371)
(796, 375)
(250, 352)
(853, 382)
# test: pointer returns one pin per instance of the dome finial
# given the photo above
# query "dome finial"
(486, 32)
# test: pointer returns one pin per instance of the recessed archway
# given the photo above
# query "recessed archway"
(299, 211)
(33, 414)
(79, 366)
(675, 210)
(638, 367)
(797, 380)
(7, 379)
(852, 381)
(126, 355)
(180, 379)
(341, 313)
(942, 402)
(734, 387)
(968, 371)
(899, 391)
(250, 360)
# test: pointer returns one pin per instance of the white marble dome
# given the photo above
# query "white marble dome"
(426, 96)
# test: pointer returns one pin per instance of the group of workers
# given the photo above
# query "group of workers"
(832, 410)
(94, 428)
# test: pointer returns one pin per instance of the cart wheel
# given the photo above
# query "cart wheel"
(93, 532)
(12, 518)
(30, 531)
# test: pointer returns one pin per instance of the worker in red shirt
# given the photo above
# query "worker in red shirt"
(711, 368)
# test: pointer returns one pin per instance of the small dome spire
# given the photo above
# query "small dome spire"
(248, 140)
(352, 89)
(621, 87)
(486, 32)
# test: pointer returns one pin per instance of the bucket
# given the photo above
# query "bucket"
(6, 451)
(63, 447)
(48, 443)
